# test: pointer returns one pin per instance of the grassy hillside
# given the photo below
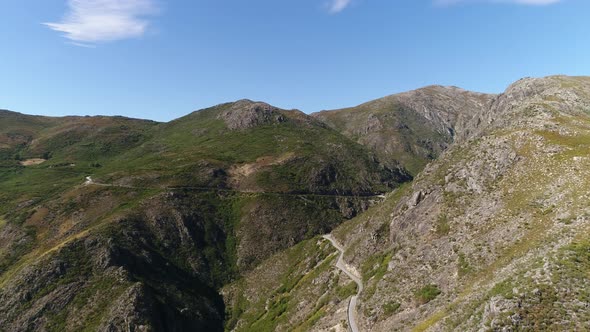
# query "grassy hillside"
(288, 153)
(175, 211)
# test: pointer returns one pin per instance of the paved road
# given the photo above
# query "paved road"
(89, 181)
(342, 266)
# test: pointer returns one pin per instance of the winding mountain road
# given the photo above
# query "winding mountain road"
(342, 266)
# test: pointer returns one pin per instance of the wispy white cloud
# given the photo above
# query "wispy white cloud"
(336, 6)
(82, 44)
(95, 21)
(520, 2)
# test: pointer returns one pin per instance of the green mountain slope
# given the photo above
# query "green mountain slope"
(255, 147)
(171, 213)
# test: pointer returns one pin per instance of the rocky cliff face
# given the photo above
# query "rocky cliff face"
(153, 270)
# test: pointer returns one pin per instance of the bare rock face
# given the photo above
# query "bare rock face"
(373, 125)
(569, 94)
(246, 114)
(128, 312)
(417, 197)
(452, 110)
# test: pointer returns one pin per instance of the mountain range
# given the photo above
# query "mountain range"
(456, 210)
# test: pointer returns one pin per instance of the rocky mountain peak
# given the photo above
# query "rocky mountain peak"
(245, 114)
(540, 98)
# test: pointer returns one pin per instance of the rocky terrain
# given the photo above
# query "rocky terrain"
(490, 236)
(214, 221)
(413, 128)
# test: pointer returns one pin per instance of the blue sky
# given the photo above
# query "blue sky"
(161, 59)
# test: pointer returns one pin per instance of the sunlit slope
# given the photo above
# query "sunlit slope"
(174, 212)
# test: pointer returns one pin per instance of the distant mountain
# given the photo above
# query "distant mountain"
(413, 128)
